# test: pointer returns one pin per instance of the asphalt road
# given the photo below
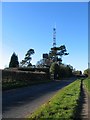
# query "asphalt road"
(18, 103)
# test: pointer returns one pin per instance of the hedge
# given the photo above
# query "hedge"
(23, 77)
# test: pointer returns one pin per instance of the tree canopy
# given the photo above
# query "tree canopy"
(61, 71)
(55, 55)
(27, 59)
(14, 61)
(87, 72)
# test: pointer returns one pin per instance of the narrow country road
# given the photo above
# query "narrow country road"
(18, 103)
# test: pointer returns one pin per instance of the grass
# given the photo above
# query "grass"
(87, 84)
(12, 85)
(18, 84)
(62, 105)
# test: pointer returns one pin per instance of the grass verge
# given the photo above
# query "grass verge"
(18, 84)
(87, 84)
(62, 105)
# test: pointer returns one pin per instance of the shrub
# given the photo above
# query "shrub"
(54, 69)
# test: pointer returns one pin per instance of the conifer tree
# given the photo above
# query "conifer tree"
(14, 61)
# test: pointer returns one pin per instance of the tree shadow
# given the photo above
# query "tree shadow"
(28, 94)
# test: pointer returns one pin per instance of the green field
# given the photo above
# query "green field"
(62, 105)
(87, 84)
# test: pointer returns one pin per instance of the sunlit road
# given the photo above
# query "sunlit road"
(18, 103)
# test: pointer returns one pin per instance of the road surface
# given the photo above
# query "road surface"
(18, 103)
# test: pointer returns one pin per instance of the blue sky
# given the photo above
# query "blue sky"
(30, 25)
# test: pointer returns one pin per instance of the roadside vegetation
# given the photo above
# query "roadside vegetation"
(20, 74)
(87, 80)
(62, 105)
(87, 84)
(17, 78)
(18, 84)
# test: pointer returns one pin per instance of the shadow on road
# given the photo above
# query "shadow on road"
(22, 96)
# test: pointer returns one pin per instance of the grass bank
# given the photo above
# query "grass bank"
(87, 84)
(19, 84)
(62, 105)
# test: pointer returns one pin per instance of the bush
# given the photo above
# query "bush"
(65, 71)
(54, 69)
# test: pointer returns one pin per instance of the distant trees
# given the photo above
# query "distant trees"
(14, 61)
(27, 60)
(53, 60)
(77, 73)
(61, 71)
(40, 63)
(65, 71)
(87, 72)
(55, 55)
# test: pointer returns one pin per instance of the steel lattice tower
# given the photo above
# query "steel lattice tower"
(54, 37)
